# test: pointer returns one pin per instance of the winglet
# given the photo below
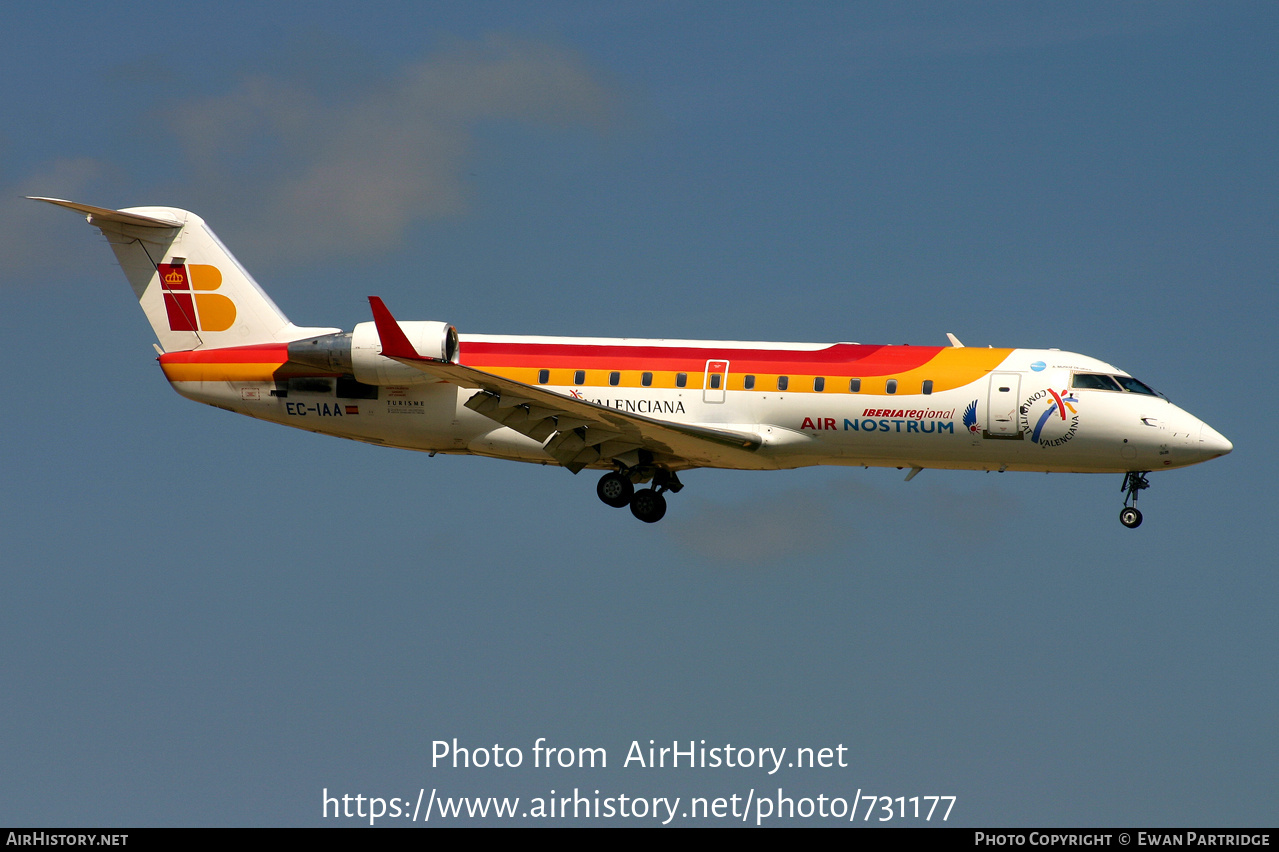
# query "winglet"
(395, 343)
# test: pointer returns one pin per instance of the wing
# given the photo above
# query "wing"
(575, 432)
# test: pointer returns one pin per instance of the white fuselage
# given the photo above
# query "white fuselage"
(1022, 415)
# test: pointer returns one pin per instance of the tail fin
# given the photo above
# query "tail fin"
(194, 292)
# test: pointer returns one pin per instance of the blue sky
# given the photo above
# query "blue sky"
(208, 620)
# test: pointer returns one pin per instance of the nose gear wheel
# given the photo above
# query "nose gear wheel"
(1134, 483)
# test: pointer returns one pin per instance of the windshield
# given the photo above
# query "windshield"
(1094, 381)
(1110, 382)
(1131, 384)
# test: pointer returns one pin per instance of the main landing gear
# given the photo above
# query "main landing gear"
(617, 489)
(1134, 483)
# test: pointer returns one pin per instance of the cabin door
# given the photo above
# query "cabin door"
(1001, 406)
(716, 381)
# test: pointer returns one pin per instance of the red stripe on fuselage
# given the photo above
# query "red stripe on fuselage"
(853, 358)
(837, 359)
(259, 353)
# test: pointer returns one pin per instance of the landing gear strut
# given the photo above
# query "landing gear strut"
(1134, 483)
(617, 489)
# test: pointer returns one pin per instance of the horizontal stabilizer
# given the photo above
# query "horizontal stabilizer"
(104, 214)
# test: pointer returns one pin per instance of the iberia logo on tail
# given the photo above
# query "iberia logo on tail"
(189, 300)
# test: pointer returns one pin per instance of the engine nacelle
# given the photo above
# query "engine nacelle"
(359, 352)
(431, 340)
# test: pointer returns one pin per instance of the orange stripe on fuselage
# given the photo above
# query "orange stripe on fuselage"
(946, 367)
(258, 363)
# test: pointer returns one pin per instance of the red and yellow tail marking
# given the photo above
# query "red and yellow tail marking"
(188, 301)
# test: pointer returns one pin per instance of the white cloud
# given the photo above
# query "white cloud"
(352, 176)
(294, 173)
(28, 240)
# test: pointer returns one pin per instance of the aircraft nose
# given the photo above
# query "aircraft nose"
(1212, 443)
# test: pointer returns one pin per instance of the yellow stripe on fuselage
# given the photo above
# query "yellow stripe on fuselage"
(198, 372)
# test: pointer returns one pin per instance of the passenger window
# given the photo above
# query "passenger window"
(681, 380)
(646, 379)
(782, 382)
(855, 385)
(890, 386)
(543, 376)
(928, 386)
(579, 377)
(614, 377)
(715, 379)
(749, 383)
(819, 384)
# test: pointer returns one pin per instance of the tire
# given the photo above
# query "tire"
(648, 505)
(615, 490)
(1130, 517)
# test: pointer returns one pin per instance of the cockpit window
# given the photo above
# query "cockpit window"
(1100, 381)
(1131, 384)
(1093, 381)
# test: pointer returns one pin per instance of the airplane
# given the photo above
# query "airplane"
(643, 411)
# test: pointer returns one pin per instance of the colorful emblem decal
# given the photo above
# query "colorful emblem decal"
(970, 417)
(1054, 415)
(188, 300)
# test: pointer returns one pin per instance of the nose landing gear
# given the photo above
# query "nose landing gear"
(1134, 483)
(617, 489)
